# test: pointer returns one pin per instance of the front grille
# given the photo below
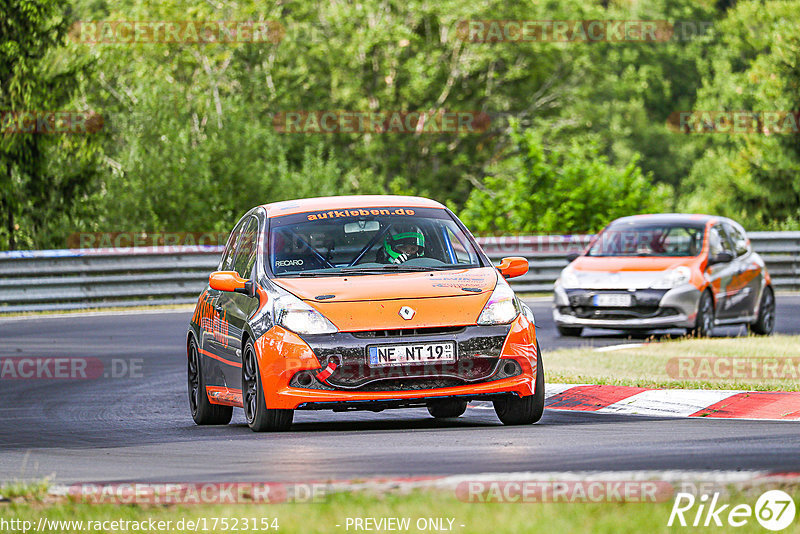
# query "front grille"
(408, 332)
(505, 368)
(632, 312)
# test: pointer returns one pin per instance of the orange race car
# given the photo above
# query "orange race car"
(360, 303)
(649, 272)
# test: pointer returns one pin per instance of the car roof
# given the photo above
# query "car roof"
(693, 219)
(290, 207)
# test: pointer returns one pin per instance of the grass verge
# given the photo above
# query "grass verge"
(332, 515)
(743, 363)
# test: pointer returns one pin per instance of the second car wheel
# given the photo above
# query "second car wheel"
(765, 323)
(513, 410)
(704, 323)
(570, 331)
(447, 408)
(259, 417)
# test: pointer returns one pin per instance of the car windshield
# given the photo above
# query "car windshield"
(655, 240)
(367, 241)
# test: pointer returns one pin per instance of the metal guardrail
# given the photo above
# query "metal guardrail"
(71, 279)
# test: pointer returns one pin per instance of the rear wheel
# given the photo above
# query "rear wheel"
(704, 323)
(259, 417)
(512, 410)
(447, 408)
(765, 323)
(203, 412)
(570, 331)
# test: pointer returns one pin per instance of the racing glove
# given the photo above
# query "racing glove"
(400, 259)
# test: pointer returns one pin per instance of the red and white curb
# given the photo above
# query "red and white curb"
(705, 403)
(713, 404)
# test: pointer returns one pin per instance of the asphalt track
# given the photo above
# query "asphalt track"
(139, 428)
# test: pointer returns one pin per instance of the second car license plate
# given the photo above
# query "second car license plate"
(443, 352)
(613, 300)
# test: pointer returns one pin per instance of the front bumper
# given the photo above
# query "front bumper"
(673, 308)
(491, 361)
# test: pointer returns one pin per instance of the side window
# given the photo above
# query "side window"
(738, 240)
(459, 249)
(716, 241)
(246, 249)
(226, 264)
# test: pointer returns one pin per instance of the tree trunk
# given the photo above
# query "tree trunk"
(10, 219)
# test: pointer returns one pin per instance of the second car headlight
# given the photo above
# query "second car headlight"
(502, 306)
(673, 278)
(569, 280)
(299, 317)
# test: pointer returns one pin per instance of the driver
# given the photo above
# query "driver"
(404, 244)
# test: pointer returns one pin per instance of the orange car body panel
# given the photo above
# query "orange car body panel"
(371, 302)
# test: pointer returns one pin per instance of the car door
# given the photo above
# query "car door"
(237, 307)
(720, 275)
(214, 325)
(746, 281)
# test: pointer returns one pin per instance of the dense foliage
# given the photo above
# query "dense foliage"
(578, 133)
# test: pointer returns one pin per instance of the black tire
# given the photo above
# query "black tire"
(259, 417)
(570, 331)
(513, 410)
(203, 412)
(765, 323)
(704, 323)
(447, 408)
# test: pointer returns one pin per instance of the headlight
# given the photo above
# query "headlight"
(299, 317)
(673, 278)
(502, 307)
(569, 280)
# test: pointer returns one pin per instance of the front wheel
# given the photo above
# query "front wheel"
(259, 417)
(512, 410)
(765, 323)
(203, 412)
(704, 323)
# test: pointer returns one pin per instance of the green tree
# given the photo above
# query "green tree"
(753, 65)
(558, 189)
(41, 175)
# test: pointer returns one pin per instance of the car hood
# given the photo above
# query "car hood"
(373, 302)
(625, 272)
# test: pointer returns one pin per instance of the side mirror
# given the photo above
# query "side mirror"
(513, 267)
(722, 257)
(572, 256)
(231, 281)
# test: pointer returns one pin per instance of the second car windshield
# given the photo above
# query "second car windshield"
(365, 241)
(660, 240)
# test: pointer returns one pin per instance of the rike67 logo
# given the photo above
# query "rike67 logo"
(774, 510)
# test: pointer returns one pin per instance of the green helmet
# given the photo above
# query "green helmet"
(410, 236)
